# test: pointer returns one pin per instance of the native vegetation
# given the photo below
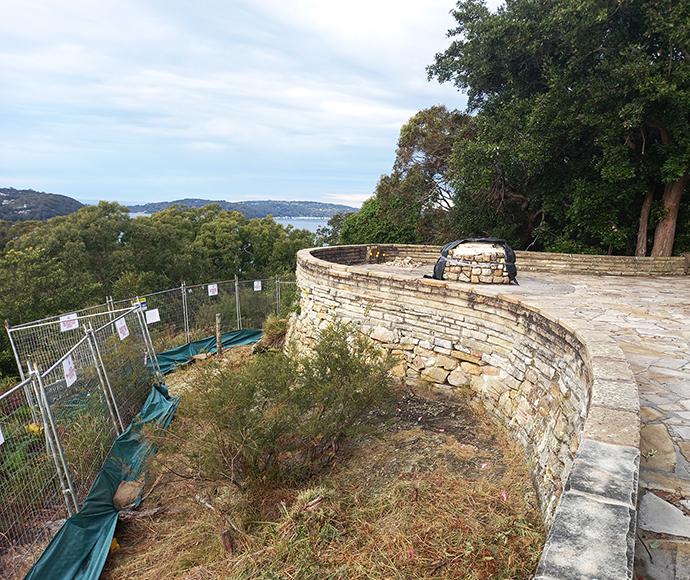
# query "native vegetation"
(74, 261)
(580, 139)
(318, 466)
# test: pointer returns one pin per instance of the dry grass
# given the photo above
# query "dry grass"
(442, 493)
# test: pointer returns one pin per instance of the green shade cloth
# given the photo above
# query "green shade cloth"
(79, 549)
(170, 359)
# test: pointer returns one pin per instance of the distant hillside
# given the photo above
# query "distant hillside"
(20, 205)
(252, 209)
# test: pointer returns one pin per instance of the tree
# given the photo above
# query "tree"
(586, 106)
(329, 235)
(413, 204)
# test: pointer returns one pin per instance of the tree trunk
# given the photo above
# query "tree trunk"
(666, 228)
(641, 248)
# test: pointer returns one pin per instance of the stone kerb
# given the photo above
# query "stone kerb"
(563, 390)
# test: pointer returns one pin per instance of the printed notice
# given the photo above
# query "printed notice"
(152, 316)
(257, 285)
(141, 302)
(213, 289)
(122, 329)
(2, 437)
(69, 370)
(68, 322)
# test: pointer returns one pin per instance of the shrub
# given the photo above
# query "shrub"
(282, 418)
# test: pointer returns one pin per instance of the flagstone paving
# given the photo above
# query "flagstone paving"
(650, 320)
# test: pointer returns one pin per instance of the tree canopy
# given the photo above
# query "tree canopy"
(73, 261)
(579, 139)
(583, 109)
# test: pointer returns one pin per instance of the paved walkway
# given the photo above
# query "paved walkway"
(650, 320)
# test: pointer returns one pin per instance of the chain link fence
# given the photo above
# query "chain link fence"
(85, 376)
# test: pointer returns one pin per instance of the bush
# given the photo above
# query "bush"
(282, 418)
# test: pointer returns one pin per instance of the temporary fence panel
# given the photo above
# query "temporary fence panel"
(288, 295)
(204, 301)
(45, 341)
(32, 500)
(128, 358)
(165, 314)
(258, 299)
(83, 413)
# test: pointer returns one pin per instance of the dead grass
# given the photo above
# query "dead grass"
(442, 493)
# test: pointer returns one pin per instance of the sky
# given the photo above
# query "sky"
(137, 101)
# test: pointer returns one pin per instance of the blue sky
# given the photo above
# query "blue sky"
(152, 100)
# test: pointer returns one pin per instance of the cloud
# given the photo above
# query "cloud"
(106, 95)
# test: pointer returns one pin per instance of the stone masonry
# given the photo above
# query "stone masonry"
(477, 262)
(561, 388)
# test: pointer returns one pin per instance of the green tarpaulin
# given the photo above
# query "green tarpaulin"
(169, 359)
(79, 549)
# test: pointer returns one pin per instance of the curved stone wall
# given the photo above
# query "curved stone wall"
(564, 391)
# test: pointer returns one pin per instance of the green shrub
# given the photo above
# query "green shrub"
(282, 418)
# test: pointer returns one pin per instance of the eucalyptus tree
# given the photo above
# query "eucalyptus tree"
(583, 109)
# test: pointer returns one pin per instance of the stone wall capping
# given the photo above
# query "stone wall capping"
(604, 347)
(616, 394)
(616, 426)
(567, 389)
(339, 267)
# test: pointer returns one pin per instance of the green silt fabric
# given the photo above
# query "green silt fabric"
(170, 359)
(79, 549)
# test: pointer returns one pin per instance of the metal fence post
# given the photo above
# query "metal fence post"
(149, 345)
(185, 313)
(237, 304)
(277, 296)
(58, 446)
(108, 398)
(105, 375)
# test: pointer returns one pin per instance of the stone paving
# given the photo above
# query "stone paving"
(650, 320)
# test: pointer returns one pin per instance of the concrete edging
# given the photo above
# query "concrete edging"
(573, 381)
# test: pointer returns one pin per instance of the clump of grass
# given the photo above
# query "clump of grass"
(275, 329)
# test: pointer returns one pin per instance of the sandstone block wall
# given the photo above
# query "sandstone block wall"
(564, 391)
(525, 261)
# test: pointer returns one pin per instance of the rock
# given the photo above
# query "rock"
(446, 362)
(470, 369)
(435, 375)
(126, 494)
(458, 378)
(382, 334)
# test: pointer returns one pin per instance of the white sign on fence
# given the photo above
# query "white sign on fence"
(122, 329)
(68, 322)
(213, 289)
(2, 437)
(152, 316)
(257, 285)
(70, 371)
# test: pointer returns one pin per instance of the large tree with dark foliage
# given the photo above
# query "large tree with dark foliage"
(583, 117)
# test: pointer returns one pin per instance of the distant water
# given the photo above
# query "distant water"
(310, 224)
